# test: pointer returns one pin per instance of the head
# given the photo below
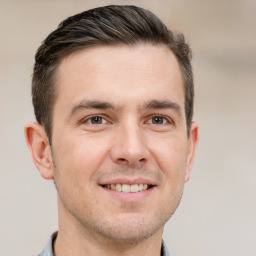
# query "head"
(104, 26)
(113, 96)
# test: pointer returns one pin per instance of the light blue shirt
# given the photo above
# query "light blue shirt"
(47, 251)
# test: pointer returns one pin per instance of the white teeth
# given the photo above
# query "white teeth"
(140, 187)
(134, 188)
(128, 188)
(145, 186)
(118, 187)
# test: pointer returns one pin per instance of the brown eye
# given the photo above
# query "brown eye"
(96, 120)
(158, 120)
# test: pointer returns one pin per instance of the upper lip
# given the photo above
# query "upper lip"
(128, 181)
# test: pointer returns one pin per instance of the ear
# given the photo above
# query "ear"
(192, 144)
(40, 149)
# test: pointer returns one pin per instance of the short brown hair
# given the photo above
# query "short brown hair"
(108, 25)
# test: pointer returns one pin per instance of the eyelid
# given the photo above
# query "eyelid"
(86, 119)
(168, 119)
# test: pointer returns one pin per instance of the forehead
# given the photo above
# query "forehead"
(122, 71)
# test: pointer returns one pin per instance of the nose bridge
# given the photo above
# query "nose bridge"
(130, 145)
(133, 138)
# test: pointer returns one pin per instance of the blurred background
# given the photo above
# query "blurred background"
(217, 216)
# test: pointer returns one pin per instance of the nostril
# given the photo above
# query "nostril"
(122, 159)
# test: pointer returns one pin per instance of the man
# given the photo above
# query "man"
(113, 97)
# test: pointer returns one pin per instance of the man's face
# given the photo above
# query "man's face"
(119, 124)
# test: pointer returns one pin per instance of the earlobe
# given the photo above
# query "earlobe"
(40, 149)
(192, 145)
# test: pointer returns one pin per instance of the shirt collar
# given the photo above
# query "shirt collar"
(48, 249)
(164, 250)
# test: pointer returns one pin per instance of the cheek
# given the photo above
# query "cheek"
(72, 173)
(170, 154)
(79, 158)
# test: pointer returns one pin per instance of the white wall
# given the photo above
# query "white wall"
(217, 216)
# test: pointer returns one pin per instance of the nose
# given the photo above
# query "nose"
(129, 147)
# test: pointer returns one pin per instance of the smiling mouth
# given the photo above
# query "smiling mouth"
(126, 188)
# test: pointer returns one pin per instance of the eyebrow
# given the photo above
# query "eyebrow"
(89, 104)
(158, 104)
(152, 104)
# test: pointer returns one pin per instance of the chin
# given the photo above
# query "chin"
(130, 229)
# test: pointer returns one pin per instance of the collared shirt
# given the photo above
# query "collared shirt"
(47, 251)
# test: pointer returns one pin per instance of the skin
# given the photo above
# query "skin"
(119, 117)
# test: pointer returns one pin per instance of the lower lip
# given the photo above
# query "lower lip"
(132, 196)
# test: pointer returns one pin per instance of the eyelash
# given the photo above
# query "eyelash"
(166, 120)
(89, 119)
